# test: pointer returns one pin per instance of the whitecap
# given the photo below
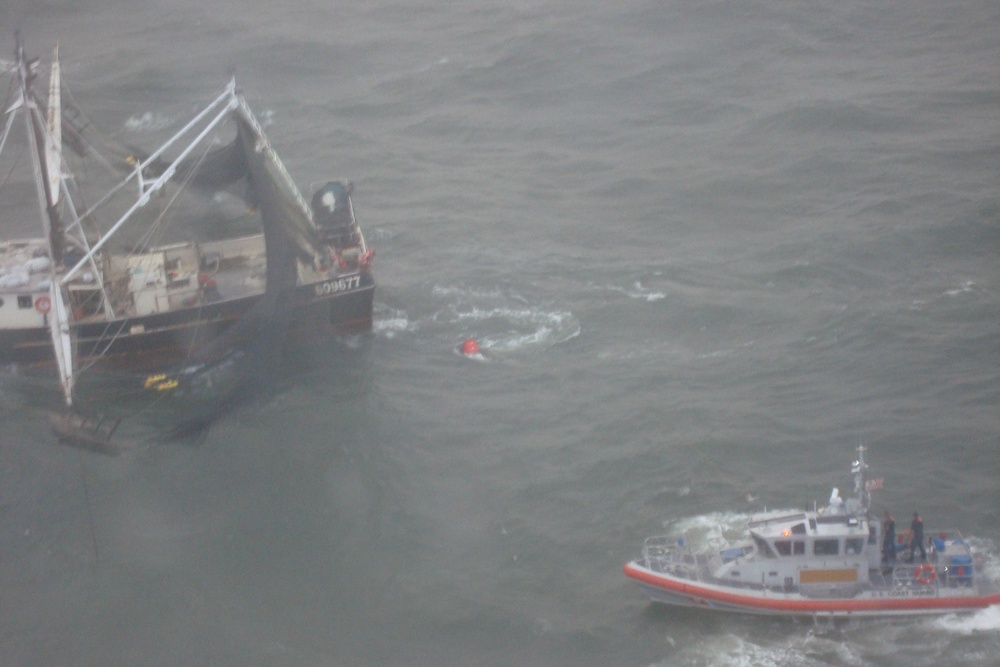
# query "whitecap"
(467, 293)
(644, 349)
(502, 320)
(389, 322)
(639, 292)
(967, 286)
(440, 62)
(712, 531)
(266, 118)
(474, 356)
(735, 651)
(147, 122)
(379, 234)
(521, 327)
(715, 530)
(716, 354)
(983, 620)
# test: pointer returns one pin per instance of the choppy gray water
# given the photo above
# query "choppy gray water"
(706, 248)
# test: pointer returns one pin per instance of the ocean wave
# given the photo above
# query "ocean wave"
(966, 288)
(709, 531)
(511, 329)
(639, 292)
(148, 122)
(983, 620)
(726, 650)
(388, 322)
(501, 320)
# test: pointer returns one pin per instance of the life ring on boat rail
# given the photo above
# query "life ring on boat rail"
(43, 304)
(925, 574)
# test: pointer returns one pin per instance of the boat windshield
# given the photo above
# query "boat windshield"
(763, 548)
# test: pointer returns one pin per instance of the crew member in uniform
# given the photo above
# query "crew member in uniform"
(889, 538)
(917, 537)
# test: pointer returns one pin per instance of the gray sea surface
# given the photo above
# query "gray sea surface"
(706, 249)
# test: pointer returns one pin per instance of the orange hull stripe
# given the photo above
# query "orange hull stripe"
(810, 606)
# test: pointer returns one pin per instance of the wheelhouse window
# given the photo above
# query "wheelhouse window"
(854, 545)
(24, 301)
(826, 547)
(763, 547)
(799, 529)
(790, 548)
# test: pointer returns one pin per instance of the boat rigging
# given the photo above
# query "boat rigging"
(73, 299)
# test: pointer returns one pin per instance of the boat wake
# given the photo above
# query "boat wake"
(390, 322)
(500, 320)
(506, 328)
(729, 649)
(505, 321)
(982, 621)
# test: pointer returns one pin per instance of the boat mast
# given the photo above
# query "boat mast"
(860, 468)
(46, 161)
(53, 143)
(48, 197)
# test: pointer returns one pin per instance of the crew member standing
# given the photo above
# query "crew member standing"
(917, 537)
(889, 538)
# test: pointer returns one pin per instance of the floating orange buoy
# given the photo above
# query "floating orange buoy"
(470, 346)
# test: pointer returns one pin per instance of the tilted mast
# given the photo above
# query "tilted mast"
(46, 152)
(41, 154)
(53, 145)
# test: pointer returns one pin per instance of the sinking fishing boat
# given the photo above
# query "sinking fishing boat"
(819, 563)
(108, 283)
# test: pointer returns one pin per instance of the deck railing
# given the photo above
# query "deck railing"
(670, 556)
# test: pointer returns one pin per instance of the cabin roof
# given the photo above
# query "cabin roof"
(841, 525)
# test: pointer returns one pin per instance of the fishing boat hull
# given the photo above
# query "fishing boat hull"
(885, 602)
(338, 306)
(178, 290)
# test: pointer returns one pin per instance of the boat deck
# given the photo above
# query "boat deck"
(237, 268)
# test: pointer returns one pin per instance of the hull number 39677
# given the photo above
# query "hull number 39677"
(343, 284)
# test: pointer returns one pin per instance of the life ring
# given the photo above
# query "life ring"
(925, 574)
(43, 304)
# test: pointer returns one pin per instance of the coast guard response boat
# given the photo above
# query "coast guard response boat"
(825, 563)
